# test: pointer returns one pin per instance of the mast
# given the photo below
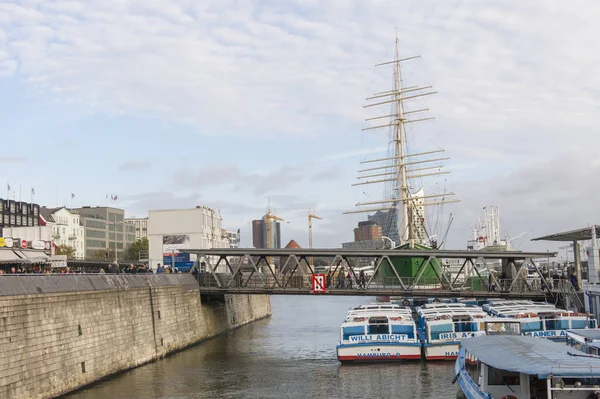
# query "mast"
(400, 168)
(404, 227)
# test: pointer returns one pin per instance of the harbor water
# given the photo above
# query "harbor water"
(290, 355)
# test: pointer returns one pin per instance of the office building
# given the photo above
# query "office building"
(105, 230)
(141, 226)
(259, 234)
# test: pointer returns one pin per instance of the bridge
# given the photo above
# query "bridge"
(414, 273)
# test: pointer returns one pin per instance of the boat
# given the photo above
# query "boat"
(443, 326)
(586, 340)
(402, 173)
(541, 319)
(378, 332)
(522, 367)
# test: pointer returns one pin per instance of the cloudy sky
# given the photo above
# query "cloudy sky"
(174, 103)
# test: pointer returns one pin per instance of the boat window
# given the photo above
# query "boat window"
(529, 326)
(578, 323)
(354, 330)
(403, 329)
(577, 346)
(378, 325)
(592, 323)
(502, 377)
(437, 329)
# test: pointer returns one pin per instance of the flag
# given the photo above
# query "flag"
(106, 195)
(32, 191)
(112, 198)
(115, 197)
(7, 186)
(72, 195)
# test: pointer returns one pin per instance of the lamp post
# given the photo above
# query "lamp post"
(392, 243)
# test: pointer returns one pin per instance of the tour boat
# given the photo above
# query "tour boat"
(541, 319)
(586, 340)
(442, 327)
(522, 367)
(378, 332)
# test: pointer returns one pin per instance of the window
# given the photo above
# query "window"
(502, 377)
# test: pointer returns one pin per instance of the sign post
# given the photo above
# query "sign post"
(318, 283)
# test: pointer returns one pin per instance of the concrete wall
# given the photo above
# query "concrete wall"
(58, 333)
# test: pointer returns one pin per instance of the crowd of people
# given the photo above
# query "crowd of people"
(112, 268)
(345, 280)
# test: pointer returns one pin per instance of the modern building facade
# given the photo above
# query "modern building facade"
(259, 234)
(174, 229)
(141, 226)
(105, 229)
(388, 220)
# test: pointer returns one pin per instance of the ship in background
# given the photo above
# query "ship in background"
(406, 205)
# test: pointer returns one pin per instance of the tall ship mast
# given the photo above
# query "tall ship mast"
(403, 170)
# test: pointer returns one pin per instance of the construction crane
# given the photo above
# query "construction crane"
(268, 218)
(311, 216)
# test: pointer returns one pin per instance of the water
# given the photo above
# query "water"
(290, 355)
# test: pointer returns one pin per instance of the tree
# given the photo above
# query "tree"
(65, 250)
(99, 254)
(138, 246)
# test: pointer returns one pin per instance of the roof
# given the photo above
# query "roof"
(293, 244)
(587, 334)
(533, 356)
(46, 213)
(573, 235)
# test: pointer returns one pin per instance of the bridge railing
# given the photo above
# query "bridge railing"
(405, 284)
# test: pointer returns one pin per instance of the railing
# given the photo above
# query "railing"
(272, 281)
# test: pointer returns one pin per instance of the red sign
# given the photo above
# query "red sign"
(23, 243)
(318, 283)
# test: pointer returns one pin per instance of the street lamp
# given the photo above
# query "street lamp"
(392, 243)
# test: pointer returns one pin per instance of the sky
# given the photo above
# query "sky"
(238, 104)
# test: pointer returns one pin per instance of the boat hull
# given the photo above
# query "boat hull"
(378, 352)
(467, 385)
(446, 351)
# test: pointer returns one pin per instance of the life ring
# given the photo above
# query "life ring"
(575, 314)
(405, 302)
(436, 300)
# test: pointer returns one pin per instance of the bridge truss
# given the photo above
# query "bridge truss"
(248, 271)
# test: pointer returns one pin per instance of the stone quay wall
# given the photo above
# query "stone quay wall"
(61, 332)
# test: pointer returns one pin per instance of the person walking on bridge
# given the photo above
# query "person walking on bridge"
(361, 280)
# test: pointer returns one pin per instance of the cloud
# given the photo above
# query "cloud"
(12, 159)
(134, 165)
(139, 204)
(231, 175)
(332, 173)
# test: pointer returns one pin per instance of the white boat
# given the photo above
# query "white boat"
(521, 367)
(443, 326)
(587, 340)
(541, 319)
(378, 332)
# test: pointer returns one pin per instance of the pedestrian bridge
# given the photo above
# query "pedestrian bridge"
(473, 274)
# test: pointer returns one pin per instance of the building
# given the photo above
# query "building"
(18, 214)
(234, 238)
(141, 226)
(416, 216)
(174, 229)
(259, 234)
(388, 220)
(66, 228)
(105, 230)
(367, 230)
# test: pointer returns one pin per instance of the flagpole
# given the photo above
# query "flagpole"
(20, 193)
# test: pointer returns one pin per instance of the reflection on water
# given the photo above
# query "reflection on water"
(291, 355)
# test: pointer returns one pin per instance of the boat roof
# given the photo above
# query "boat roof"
(533, 356)
(587, 334)
(451, 310)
